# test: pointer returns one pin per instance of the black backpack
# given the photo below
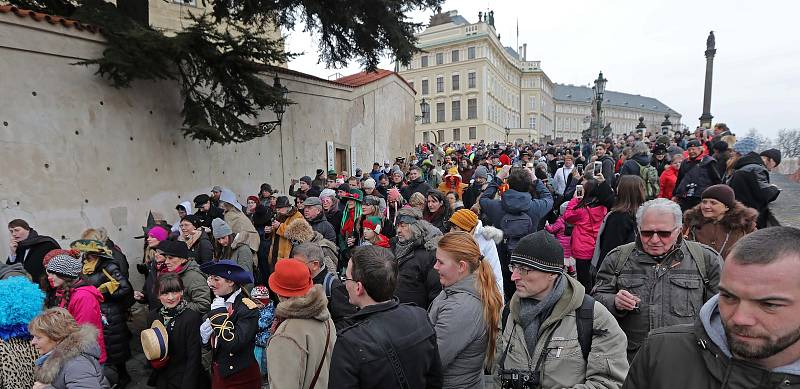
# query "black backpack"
(515, 227)
(584, 323)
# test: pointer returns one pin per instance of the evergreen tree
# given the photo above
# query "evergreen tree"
(220, 59)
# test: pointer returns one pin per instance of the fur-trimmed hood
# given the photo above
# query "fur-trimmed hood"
(84, 341)
(489, 232)
(313, 305)
(737, 218)
(299, 230)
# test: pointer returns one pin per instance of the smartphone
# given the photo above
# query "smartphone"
(580, 168)
(598, 168)
(579, 191)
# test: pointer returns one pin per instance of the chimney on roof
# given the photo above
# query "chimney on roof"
(524, 51)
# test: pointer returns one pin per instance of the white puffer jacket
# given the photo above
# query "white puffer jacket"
(488, 238)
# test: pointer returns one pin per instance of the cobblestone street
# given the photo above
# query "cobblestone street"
(787, 206)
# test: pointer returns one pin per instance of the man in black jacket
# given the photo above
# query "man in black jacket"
(387, 340)
(747, 336)
(338, 304)
(415, 184)
(315, 216)
(697, 173)
(480, 180)
(29, 248)
(608, 164)
(750, 180)
(206, 211)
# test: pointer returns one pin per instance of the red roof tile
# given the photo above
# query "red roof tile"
(52, 19)
(363, 78)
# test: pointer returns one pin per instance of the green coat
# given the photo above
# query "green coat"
(196, 291)
(669, 297)
(564, 366)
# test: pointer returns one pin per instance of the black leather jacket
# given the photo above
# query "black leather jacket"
(360, 356)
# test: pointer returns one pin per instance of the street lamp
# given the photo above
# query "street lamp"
(600, 82)
(425, 109)
(508, 131)
(279, 107)
(666, 125)
(599, 89)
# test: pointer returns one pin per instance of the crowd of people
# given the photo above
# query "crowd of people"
(639, 261)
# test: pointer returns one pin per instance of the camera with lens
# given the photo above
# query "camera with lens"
(691, 190)
(519, 379)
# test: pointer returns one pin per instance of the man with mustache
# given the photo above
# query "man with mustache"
(747, 336)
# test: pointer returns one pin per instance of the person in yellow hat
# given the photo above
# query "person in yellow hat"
(100, 271)
(452, 182)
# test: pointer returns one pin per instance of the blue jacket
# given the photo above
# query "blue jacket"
(516, 202)
(376, 175)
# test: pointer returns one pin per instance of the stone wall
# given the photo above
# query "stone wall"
(79, 153)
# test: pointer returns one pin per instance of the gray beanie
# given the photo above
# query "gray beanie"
(481, 172)
(220, 229)
(65, 266)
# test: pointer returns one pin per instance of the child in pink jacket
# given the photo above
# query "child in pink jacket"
(586, 217)
(559, 230)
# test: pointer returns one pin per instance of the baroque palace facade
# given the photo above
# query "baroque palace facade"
(477, 89)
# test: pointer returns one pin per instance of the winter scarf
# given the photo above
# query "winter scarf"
(190, 241)
(406, 247)
(349, 223)
(533, 312)
(171, 313)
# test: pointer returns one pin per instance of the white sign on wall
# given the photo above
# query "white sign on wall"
(352, 161)
(331, 155)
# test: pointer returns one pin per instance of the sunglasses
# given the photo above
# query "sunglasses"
(648, 234)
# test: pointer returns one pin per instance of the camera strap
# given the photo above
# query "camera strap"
(397, 366)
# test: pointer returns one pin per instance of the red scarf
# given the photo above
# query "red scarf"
(349, 224)
(383, 241)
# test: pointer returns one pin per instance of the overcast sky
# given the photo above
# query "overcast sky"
(652, 48)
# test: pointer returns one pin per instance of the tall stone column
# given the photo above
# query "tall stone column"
(705, 118)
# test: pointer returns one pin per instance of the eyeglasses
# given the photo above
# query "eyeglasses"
(348, 279)
(521, 270)
(648, 234)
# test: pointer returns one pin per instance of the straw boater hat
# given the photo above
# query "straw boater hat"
(155, 342)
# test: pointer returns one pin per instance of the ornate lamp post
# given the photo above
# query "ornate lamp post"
(599, 89)
(508, 131)
(425, 109)
(279, 108)
(596, 127)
